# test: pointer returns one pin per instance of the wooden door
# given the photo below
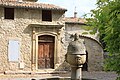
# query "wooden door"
(46, 52)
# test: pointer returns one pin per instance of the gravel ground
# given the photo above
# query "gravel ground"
(88, 75)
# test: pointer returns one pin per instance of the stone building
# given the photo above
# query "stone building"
(34, 38)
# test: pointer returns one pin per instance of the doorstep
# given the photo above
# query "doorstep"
(34, 72)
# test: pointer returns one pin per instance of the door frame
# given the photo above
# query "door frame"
(55, 46)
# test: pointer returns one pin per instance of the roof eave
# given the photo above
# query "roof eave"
(27, 7)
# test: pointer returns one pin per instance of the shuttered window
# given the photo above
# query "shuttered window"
(9, 13)
(13, 50)
(46, 15)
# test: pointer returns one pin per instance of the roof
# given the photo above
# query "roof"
(33, 5)
(74, 20)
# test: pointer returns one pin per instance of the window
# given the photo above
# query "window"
(9, 13)
(13, 50)
(46, 15)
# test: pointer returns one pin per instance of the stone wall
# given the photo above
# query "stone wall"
(19, 29)
(78, 28)
(95, 55)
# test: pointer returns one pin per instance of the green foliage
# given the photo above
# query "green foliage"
(85, 33)
(118, 78)
(87, 28)
(92, 29)
(92, 32)
(107, 21)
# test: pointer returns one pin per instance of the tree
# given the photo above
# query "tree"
(107, 22)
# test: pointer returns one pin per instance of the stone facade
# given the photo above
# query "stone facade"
(27, 26)
(20, 29)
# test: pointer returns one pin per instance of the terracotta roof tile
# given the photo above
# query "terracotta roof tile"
(74, 20)
(34, 5)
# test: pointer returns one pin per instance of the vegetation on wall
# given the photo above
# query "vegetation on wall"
(87, 28)
(107, 21)
(85, 33)
(91, 29)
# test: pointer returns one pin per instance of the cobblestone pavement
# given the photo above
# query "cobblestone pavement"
(86, 75)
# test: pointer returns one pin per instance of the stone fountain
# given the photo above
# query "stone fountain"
(76, 57)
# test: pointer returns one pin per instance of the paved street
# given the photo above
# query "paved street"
(100, 75)
(86, 75)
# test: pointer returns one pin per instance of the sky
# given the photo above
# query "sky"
(82, 6)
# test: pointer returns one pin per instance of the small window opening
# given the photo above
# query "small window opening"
(9, 13)
(46, 15)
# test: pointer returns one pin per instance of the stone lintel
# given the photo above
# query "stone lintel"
(42, 25)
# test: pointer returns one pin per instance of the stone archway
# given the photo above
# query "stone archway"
(85, 65)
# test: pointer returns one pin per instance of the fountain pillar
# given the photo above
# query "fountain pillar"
(76, 57)
(76, 73)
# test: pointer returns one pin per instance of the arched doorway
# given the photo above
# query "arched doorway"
(85, 65)
(46, 52)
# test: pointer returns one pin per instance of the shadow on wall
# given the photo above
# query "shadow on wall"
(64, 70)
(64, 67)
(28, 30)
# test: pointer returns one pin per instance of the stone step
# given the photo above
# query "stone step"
(34, 72)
